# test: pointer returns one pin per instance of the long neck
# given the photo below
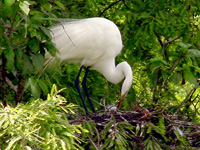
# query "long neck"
(116, 74)
(111, 72)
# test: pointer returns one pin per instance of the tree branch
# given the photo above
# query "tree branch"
(10, 84)
(172, 69)
(112, 4)
(168, 42)
(189, 95)
(192, 134)
(164, 44)
(20, 88)
(127, 6)
(155, 85)
(3, 79)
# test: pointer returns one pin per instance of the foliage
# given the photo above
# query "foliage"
(40, 124)
(161, 43)
(134, 130)
(24, 40)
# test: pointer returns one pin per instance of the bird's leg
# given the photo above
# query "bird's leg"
(85, 89)
(79, 91)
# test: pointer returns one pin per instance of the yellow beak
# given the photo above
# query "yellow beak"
(121, 99)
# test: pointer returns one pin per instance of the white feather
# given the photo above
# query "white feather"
(92, 42)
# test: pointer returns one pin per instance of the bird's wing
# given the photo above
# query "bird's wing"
(86, 39)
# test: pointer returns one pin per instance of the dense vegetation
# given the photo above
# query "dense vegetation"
(161, 43)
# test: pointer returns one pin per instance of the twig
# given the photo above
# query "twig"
(155, 85)
(192, 134)
(112, 4)
(164, 44)
(11, 27)
(172, 69)
(190, 93)
(156, 68)
(93, 143)
(127, 6)
(98, 137)
(161, 44)
(195, 105)
(123, 118)
(9, 83)
(168, 42)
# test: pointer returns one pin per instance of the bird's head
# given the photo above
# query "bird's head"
(128, 78)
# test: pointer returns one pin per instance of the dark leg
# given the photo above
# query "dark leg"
(79, 91)
(85, 89)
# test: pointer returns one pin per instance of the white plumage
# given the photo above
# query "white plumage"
(93, 42)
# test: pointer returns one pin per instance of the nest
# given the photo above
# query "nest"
(140, 116)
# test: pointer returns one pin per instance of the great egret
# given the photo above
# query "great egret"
(94, 43)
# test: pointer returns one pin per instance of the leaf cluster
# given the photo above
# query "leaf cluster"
(134, 130)
(161, 43)
(40, 124)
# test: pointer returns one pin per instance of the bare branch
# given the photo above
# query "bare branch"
(93, 143)
(10, 84)
(3, 79)
(189, 94)
(172, 69)
(127, 6)
(168, 42)
(189, 134)
(112, 4)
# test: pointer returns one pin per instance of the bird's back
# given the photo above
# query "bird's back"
(86, 41)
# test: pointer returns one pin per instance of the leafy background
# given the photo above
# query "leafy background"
(161, 43)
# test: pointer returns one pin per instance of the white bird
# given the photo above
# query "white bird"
(93, 43)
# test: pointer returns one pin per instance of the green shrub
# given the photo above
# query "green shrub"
(39, 125)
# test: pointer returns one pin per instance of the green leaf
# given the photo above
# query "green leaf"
(43, 86)
(9, 55)
(157, 146)
(24, 6)
(53, 90)
(34, 45)
(47, 6)
(60, 4)
(28, 148)
(183, 45)
(51, 49)
(179, 134)
(8, 3)
(194, 52)
(89, 127)
(12, 142)
(27, 65)
(149, 129)
(188, 75)
(137, 129)
(176, 78)
(38, 62)
(63, 144)
(34, 88)
(161, 124)
(2, 119)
